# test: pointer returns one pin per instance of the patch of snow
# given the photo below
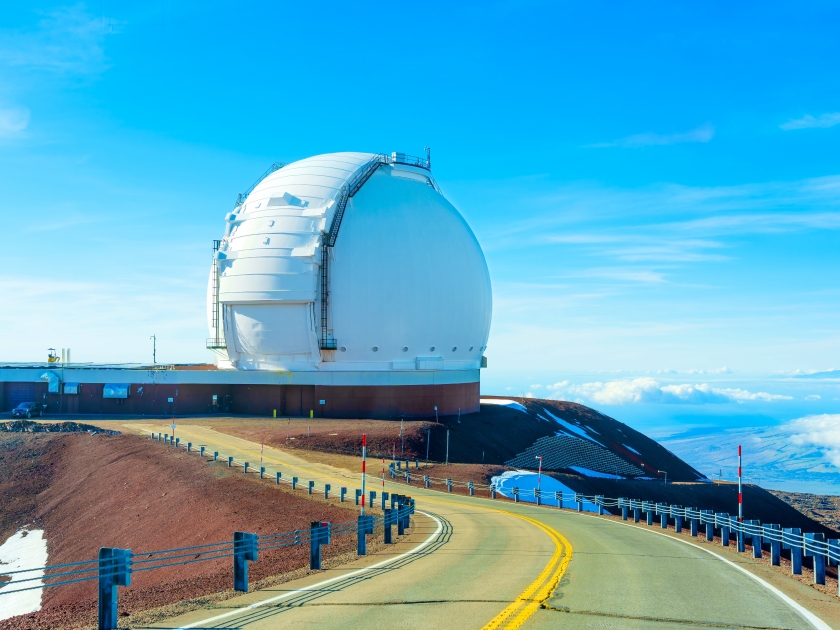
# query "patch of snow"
(594, 473)
(23, 549)
(570, 427)
(512, 404)
(527, 481)
(630, 448)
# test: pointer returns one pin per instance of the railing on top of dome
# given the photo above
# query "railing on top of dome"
(241, 197)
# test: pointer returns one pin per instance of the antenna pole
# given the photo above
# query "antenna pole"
(154, 349)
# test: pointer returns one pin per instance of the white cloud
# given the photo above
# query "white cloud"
(813, 397)
(13, 121)
(649, 390)
(703, 133)
(720, 370)
(808, 121)
(530, 395)
(820, 431)
(536, 386)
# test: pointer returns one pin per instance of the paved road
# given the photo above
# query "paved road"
(484, 562)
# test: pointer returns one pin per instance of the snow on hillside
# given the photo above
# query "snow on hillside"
(527, 482)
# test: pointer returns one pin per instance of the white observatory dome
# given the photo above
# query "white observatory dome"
(349, 262)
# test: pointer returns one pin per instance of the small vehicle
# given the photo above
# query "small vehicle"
(29, 409)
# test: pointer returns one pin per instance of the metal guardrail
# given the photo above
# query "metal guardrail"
(114, 567)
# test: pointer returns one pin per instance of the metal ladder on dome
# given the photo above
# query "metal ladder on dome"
(348, 190)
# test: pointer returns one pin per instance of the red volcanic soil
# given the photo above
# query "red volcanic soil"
(91, 491)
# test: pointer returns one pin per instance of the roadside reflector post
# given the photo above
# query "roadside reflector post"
(294, 483)
(599, 501)
(722, 519)
(230, 462)
(622, 503)
(341, 494)
(277, 478)
(472, 488)
(189, 447)
(579, 501)
(262, 472)
(815, 548)
(310, 486)
(114, 571)
(677, 512)
(516, 495)
(559, 497)
(792, 539)
(358, 494)
(426, 480)
(387, 524)
(245, 468)
(384, 499)
(319, 534)
(372, 498)
(244, 550)
(327, 491)
(215, 455)
(449, 484)
(775, 540)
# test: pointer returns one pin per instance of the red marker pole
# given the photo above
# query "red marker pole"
(364, 464)
(383, 476)
(740, 493)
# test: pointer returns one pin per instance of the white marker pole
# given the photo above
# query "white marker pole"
(364, 464)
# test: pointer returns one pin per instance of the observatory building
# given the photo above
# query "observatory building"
(344, 285)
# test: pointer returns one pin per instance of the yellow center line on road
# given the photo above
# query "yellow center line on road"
(526, 604)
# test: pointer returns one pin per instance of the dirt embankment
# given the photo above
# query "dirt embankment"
(822, 508)
(91, 491)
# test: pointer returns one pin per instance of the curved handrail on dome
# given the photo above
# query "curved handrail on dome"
(241, 197)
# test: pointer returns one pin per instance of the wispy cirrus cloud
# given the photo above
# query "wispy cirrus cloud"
(13, 121)
(67, 40)
(703, 133)
(811, 122)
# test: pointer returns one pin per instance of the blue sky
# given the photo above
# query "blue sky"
(656, 186)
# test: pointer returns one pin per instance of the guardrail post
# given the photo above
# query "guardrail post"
(723, 520)
(387, 524)
(515, 495)
(814, 543)
(358, 494)
(277, 478)
(426, 480)
(599, 501)
(177, 442)
(262, 472)
(791, 539)
(114, 571)
(230, 462)
(189, 447)
(677, 512)
(310, 487)
(294, 483)
(707, 518)
(327, 490)
(361, 540)
(833, 554)
(394, 499)
(492, 492)
(579, 501)
(416, 464)
(384, 499)
(215, 455)
(244, 549)
(449, 484)
(401, 510)
(637, 516)
(245, 468)
(741, 535)
(166, 438)
(472, 488)
(622, 503)
(693, 514)
(341, 494)
(775, 544)
(648, 510)
(662, 510)
(319, 534)
(407, 476)
(372, 498)
(201, 450)
(755, 532)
